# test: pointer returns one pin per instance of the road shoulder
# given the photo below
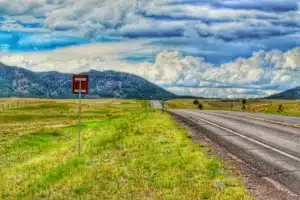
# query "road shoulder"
(257, 185)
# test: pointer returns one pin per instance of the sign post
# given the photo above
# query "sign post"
(80, 86)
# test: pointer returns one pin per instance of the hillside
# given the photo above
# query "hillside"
(289, 94)
(19, 82)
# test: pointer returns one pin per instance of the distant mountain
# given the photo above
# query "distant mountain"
(289, 94)
(19, 82)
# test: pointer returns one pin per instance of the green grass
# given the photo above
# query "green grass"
(291, 108)
(46, 114)
(133, 153)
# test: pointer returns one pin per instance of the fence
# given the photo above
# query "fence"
(9, 104)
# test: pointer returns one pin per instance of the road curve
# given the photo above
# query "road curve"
(273, 148)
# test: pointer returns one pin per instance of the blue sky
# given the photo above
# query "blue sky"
(219, 48)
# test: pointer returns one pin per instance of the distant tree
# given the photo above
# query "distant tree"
(200, 106)
(244, 101)
(244, 104)
(196, 102)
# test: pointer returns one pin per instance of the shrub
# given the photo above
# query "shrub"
(196, 102)
(200, 106)
(243, 107)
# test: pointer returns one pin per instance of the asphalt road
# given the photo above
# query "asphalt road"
(272, 118)
(269, 142)
(155, 104)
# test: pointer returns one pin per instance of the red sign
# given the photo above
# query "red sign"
(80, 84)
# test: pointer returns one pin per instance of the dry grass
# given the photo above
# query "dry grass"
(128, 152)
(37, 114)
(291, 108)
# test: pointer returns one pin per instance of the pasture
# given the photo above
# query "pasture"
(290, 107)
(128, 152)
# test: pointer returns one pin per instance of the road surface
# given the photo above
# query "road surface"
(155, 104)
(270, 143)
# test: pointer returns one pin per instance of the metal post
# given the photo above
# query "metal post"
(79, 111)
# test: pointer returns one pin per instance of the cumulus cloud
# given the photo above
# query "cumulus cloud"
(74, 59)
(260, 74)
(217, 30)
(141, 18)
(191, 44)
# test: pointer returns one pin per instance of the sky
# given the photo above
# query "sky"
(209, 48)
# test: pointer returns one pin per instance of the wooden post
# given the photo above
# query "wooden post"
(79, 119)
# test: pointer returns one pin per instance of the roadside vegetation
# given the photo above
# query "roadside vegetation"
(281, 107)
(128, 152)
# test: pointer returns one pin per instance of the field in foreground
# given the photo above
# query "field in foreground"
(127, 152)
(290, 108)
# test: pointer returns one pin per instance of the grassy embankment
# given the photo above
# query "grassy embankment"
(127, 152)
(291, 108)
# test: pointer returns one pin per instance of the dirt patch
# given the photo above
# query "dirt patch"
(258, 186)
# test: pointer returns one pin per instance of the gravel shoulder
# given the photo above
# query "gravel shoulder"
(257, 184)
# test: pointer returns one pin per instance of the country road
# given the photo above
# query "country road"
(155, 104)
(270, 143)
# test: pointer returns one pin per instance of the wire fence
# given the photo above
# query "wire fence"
(11, 104)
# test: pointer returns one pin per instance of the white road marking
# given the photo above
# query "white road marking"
(272, 121)
(246, 137)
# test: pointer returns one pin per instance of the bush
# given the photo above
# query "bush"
(200, 106)
(243, 107)
(196, 102)
(244, 104)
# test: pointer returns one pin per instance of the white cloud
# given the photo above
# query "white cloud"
(267, 71)
(206, 12)
(223, 92)
(75, 59)
(205, 29)
(92, 18)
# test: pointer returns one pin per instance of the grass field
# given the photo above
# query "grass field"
(291, 108)
(128, 152)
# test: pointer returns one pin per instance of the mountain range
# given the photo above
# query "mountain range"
(288, 94)
(19, 82)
